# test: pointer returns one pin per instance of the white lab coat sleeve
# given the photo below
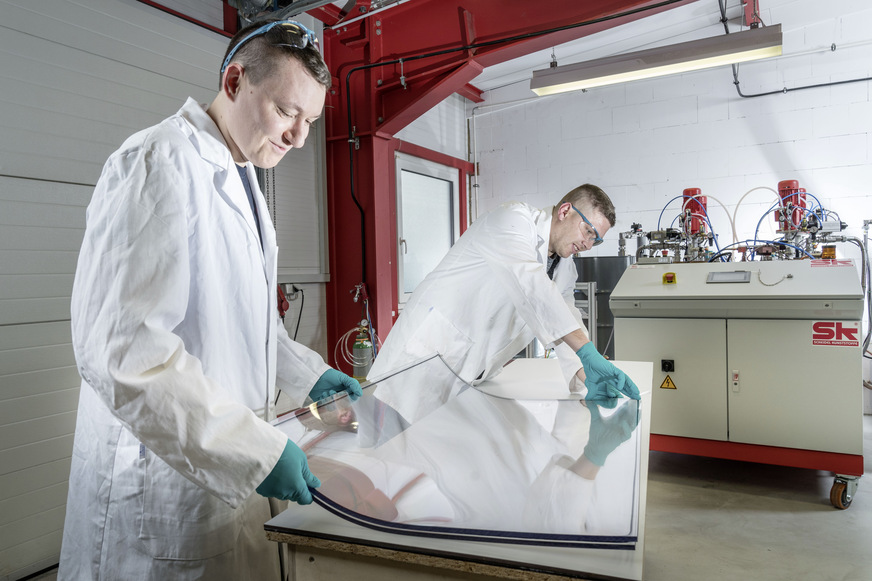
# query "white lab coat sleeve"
(506, 242)
(297, 369)
(134, 278)
(570, 364)
(569, 361)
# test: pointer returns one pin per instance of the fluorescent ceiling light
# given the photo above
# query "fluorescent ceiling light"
(751, 44)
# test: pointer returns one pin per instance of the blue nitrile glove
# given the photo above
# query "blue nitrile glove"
(290, 479)
(606, 434)
(602, 378)
(332, 382)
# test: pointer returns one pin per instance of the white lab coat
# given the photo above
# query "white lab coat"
(483, 304)
(180, 348)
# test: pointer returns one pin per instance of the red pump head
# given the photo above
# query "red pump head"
(792, 196)
(694, 209)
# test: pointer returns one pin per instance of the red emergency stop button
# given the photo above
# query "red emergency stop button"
(669, 278)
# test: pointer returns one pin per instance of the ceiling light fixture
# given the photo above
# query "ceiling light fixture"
(751, 44)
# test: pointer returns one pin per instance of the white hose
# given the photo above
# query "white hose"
(348, 354)
(727, 212)
(777, 197)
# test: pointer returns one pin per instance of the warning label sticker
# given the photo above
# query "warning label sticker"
(836, 333)
(668, 383)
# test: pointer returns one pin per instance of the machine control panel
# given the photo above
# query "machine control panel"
(728, 276)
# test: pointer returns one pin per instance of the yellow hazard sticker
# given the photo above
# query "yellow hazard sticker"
(668, 383)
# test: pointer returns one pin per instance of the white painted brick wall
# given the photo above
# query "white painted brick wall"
(644, 142)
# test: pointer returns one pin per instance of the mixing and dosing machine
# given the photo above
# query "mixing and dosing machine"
(758, 359)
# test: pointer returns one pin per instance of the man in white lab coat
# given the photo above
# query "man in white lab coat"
(177, 334)
(509, 278)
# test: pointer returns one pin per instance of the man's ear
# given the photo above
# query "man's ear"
(563, 210)
(230, 83)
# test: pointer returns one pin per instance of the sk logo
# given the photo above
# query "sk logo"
(835, 333)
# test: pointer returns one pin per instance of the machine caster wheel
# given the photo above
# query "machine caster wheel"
(842, 492)
(839, 495)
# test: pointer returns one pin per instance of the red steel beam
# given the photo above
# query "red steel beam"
(471, 92)
(389, 69)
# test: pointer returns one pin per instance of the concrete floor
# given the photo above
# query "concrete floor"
(715, 520)
(712, 520)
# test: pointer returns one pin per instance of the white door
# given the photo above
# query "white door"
(428, 219)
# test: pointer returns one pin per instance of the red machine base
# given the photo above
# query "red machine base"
(847, 464)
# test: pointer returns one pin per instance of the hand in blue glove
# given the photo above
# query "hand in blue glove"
(602, 378)
(606, 434)
(332, 382)
(290, 479)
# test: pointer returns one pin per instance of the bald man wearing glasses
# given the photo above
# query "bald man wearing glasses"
(178, 339)
(508, 279)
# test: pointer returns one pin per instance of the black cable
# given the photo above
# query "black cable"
(39, 573)
(724, 16)
(721, 254)
(300, 313)
(784, 90)
(352, 140)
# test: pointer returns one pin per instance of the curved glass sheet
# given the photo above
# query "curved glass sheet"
(421, 453)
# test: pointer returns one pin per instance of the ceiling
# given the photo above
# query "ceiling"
(695, 20)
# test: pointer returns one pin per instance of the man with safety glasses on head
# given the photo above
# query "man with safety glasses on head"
(508, 279)
(177, 334)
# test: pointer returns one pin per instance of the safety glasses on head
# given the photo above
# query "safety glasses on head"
(297, 36)
(597, 238)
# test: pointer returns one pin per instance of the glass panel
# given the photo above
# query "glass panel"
(427, 225)
(421, 453)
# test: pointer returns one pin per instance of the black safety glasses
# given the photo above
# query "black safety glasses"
(297, 36)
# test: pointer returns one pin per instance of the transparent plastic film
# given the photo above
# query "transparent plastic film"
(422, 453)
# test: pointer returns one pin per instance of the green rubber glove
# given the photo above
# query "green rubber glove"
(290, 479)
(606, 434)
(602, 378)
(332, 382)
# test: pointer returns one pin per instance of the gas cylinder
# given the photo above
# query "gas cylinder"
(361, 353)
